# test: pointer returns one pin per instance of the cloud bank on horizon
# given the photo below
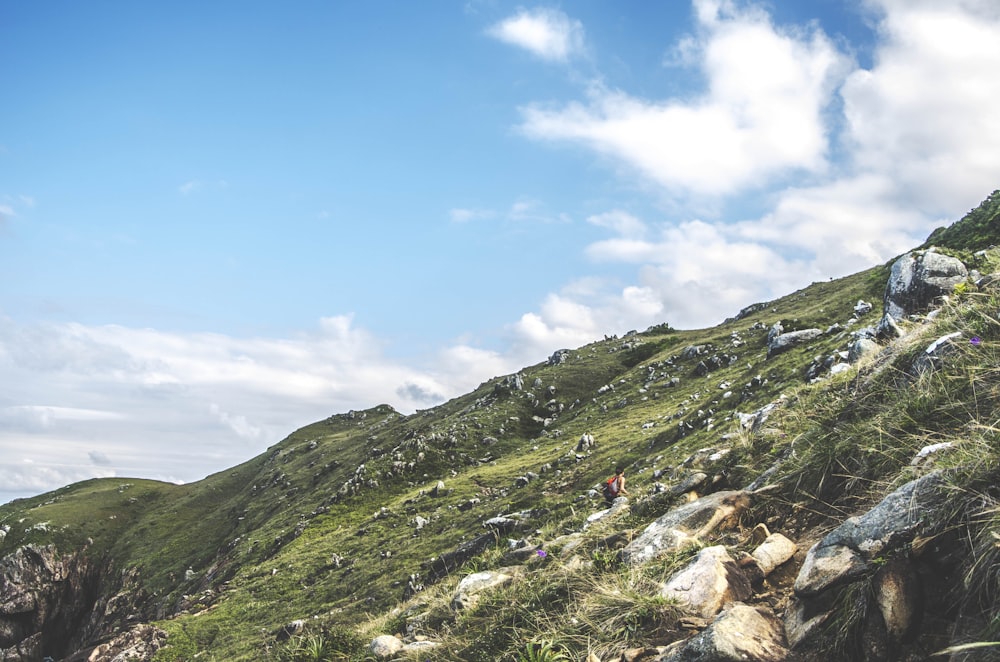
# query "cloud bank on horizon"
(768, 152)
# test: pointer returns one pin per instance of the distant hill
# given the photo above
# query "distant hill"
(789, 418)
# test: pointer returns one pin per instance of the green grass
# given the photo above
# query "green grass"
(297, 533)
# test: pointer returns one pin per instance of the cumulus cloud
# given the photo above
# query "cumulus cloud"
(547, 33)
(886, 156)
(760, 117)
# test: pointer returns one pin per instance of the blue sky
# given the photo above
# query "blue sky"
(222, 221)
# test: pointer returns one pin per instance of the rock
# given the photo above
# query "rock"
(773, 552)
(559, 357)
(828, 566)
(739, 633)
(786, 341)
(844, 554)
(139, 643)
(618, 505)
(472, 586)
(385, 646)
(44, 592)
(917, 279)
(862, 307)
(289, 630)
(708, 583)
(417, 646)
(871, 547)
(935, 352)
(685, 523)
(861, 347)
(899, 597)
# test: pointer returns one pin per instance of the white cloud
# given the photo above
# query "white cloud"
(761, 116)
(462, 215)
(886, 155)
(926, 112)
(621, 222)
(177, 406)
(547, 33)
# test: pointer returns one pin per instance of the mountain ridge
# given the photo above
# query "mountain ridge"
(342, 529)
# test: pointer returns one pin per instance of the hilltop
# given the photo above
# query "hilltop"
(829, 457)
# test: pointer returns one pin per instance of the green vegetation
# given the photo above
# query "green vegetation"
(344, 525)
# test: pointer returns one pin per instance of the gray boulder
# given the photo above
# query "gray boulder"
(846, 553)
(785, 341)
(739, 633)
(861, 347)
(472, 586)
(871, 547)
(916, 280)
(685, 524)
(707, 584)
(385, 646)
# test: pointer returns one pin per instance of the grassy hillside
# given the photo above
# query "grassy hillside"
(337, 523)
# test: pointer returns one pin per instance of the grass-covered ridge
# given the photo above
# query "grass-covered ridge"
(338, 523)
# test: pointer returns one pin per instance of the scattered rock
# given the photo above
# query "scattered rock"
(385, 646)
(786, 341)
(708, 583)
(773, 552)
(472, 586)
(684, 524)
(739, 633)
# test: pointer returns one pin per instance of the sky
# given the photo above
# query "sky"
(222, 221)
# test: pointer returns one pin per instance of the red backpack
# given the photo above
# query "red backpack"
(611, 486)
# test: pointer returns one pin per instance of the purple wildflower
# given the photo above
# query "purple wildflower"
(975, 340)
(542, 553)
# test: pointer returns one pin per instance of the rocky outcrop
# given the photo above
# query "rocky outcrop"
(54, 605)
(711, 581)
(785, 341)
(739, 633)
(870, 548)
(472, 586)
(685, 524)
(139, 643)
(45, 599)
(916, 281)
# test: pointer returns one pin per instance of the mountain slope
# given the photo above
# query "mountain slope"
(365, 522)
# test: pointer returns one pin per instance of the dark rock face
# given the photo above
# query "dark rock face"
(870, 551)
(44, 601)
(53, 605)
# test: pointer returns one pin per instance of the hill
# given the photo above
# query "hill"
(854, 420)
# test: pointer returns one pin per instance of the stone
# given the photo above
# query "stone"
(708, 583)
(861, 347)
(917, 279)
(773, 552)
(845, 553)
(472, 586)
(385, 646)
(935, 352)
(686, 523)
(899, 597)
(139, 643)
(785, 341)
(739, 633)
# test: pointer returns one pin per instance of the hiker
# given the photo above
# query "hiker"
(614, 487)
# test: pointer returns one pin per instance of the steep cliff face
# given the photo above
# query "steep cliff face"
(52, 604)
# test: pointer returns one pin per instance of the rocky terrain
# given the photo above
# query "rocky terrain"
(814, 478)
